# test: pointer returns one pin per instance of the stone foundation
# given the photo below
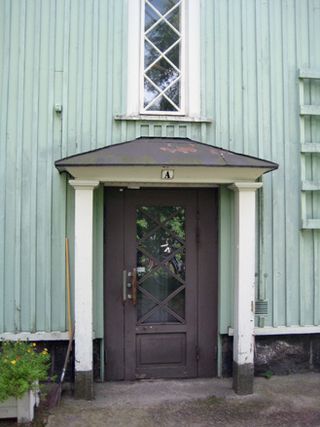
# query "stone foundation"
(278, 354)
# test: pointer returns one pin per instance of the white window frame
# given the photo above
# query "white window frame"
(190, 62)
(181, 110)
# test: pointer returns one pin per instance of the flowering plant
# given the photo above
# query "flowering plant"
(22, 365)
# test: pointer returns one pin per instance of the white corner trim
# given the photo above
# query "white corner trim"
(35, 336)
(283, 330)
(79, 184)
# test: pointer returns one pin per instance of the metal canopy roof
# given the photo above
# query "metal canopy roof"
(146, 151)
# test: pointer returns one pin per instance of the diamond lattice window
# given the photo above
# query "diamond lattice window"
(162, 73)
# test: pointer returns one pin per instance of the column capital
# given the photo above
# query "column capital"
(245, 186)
(80, 184)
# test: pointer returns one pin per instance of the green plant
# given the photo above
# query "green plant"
(22, 365)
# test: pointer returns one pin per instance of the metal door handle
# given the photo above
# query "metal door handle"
(124, 286)
(134, 286)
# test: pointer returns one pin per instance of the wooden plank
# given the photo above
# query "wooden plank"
(310, 185)
(278, 272)
(292, 159)
(11, 281)
(311, 224)
(4, 92)
(309, 73)
(19, 143)
(310, 110)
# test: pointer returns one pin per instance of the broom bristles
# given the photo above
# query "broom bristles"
(54, 396)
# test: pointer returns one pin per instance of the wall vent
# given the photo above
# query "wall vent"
(261, 307)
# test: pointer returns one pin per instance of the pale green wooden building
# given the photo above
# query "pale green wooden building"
(79, 75)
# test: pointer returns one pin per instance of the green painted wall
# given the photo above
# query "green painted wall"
(73, 53)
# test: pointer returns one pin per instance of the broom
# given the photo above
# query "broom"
(54, 396)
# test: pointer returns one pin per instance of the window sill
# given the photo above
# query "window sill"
(163, 118)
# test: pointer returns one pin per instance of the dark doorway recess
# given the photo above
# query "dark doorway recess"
(160, 268)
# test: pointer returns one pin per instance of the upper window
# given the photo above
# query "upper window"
(163, 56)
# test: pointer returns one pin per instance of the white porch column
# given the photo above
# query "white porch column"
(244, 292)
(83, 287)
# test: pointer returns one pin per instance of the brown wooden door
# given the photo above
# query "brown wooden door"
(160, 276)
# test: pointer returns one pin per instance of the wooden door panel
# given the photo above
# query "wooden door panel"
(161, 349)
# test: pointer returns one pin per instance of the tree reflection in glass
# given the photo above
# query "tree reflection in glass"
(161, 263)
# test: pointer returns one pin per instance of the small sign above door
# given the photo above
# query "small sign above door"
(167, 174)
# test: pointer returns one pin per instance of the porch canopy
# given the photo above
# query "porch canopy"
(142, 160)
(166, 162)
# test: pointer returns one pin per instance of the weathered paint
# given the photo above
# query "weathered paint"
(244, 288)
(73, 54)
(83, 274)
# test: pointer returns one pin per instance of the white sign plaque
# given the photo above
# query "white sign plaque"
(167, 173)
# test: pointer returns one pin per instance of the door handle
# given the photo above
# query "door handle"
(129, 285)
(124, 286)
(134, 286)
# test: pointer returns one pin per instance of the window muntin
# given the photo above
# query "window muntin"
(162, 88)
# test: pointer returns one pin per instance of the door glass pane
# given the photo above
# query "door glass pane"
(161, 316)
(161, 284)
(177, 304)
(161, 263)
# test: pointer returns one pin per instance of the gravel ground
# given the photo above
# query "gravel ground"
(281, 401)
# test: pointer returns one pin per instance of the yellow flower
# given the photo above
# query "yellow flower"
(29, 351)
(13, 362)
(34, 344)
(46, 350)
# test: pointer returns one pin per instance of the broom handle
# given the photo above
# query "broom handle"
(67, 357)
(70, 328)
(68, 288)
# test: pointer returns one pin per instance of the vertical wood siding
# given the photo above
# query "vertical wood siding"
(73, 53)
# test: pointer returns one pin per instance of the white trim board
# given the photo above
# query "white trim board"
(35, 336)
(283, 330)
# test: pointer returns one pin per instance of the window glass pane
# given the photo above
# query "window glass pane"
(163, 5)
(174, 55)
(150, 54)
(150, 17)
(162, 104)
(162, 36)
(174, 18)
(162, 74)
(150, 92)
(174, 93)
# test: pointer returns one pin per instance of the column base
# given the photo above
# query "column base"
(83, 386)
(243, 378)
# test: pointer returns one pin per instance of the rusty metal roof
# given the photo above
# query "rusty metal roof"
(147, 151)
